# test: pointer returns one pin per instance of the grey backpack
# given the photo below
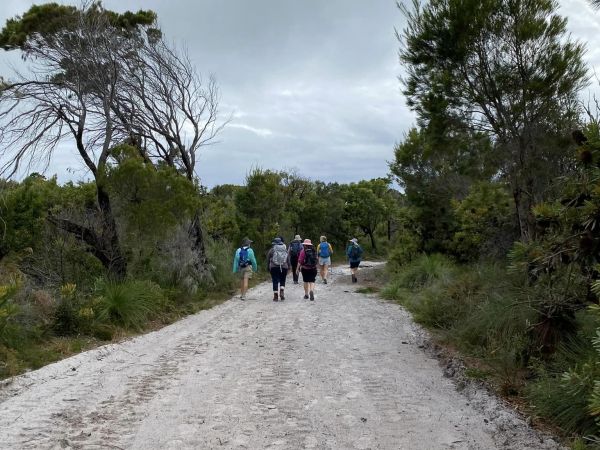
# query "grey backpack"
(279, 255)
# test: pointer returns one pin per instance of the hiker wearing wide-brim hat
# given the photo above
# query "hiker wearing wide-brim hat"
(295, 249)
(307, 264)
(278, 261)
(244, 264)
(354, 253)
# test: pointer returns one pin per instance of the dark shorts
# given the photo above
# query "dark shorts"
(309, 275)
(354, 264)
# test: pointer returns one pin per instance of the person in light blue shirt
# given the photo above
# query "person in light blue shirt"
(244, 264)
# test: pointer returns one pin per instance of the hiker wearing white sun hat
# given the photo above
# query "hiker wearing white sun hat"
(295, 249)
(354, 253)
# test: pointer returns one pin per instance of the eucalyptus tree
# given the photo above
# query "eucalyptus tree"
(66, 95)
(368, 205)
(99, 79)
(503, 67)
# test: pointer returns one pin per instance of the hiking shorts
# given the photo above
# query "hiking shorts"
(324, 261)
(354, 264)
(309, 275)
(245, 272)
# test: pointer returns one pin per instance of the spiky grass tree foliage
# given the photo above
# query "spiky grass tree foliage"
(564, 262)
(129, 303)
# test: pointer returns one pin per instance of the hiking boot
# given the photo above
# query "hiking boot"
(305, 297)
(281, 294)
(324, 280)
(275, 299)
(353, 278)
(242, 297)
(312, 296)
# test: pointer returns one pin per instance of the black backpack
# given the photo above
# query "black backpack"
(310, 258)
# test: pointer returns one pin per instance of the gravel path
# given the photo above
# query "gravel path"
(343, 372)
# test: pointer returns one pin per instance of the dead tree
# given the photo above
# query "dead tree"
(67, 96)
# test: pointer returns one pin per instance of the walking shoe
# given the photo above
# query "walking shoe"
(281, 294)
(305, 297)
(295, 281)
(325, 280)
(242, 298)
(275, 299)
(312, 296)
(353, 278)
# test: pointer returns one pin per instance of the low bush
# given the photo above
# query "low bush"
(129, 303)
(488, 313)
(424, 271)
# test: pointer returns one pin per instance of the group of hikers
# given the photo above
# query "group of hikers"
(301, 257)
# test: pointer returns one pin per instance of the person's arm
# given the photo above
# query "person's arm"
(236, 260)
(348, 250)
(269, 257)
(330, 249)
(300, 260)
(252, 259)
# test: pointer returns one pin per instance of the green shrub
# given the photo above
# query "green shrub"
(8, 309)
(484, 222)
(220, 255)
(129, 303)
(424, 271)
(565, 402)
(395, 291)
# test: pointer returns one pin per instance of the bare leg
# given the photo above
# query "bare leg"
(244, 286)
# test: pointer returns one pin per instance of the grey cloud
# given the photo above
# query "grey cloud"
(310, 84)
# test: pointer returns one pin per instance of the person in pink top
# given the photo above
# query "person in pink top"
(307, 264)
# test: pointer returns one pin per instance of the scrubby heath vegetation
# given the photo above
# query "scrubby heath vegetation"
(499, 240)
(493, 239)
(142, 242)
(56, 296)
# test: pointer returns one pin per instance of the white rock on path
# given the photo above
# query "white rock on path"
(342, 372)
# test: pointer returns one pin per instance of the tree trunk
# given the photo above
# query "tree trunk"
(116, 262)
(104, 246)
(201, 263)
(373, 245)
(517, 202)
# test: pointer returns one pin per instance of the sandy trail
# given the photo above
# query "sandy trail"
(343, 372)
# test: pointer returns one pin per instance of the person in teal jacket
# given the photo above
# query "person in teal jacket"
(354, 253)
(244, 264)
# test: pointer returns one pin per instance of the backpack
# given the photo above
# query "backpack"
(324, 250)
(279, 257)
(243, 260)
(295, 248)
(310, 258)
(354, 252)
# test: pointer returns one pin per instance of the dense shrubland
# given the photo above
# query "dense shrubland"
(498, 244)
(56, 296)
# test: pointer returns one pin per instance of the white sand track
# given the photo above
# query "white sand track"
(343, 372)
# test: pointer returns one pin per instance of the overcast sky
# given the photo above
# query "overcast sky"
(311, 85)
